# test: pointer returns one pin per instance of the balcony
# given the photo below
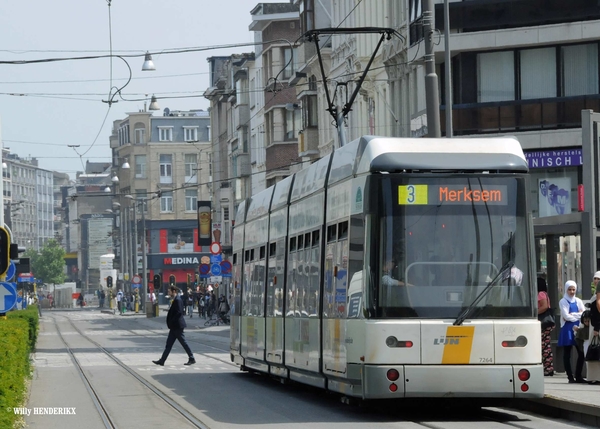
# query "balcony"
(242, 115)
(242, 166)
(520, 115)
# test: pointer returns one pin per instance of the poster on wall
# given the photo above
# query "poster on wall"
(554, 196)
(180, 241)
(204, 223)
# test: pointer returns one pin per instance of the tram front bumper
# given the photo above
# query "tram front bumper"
(454, 381)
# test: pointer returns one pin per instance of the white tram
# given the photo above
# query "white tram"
(393, 268)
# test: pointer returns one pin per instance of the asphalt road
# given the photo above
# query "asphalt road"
(101, 366)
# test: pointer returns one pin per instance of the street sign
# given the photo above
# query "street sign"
(204, 269)
(8, 297)
(215, 248)
(25, 277)
(136, 280)
(215, 269)
(226, 268)
(215, 259)
(136, 285)
(12, 270)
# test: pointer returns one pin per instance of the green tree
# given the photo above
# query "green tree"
(49, 263)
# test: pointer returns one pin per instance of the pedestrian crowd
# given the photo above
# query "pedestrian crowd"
(578, 330)
(207, 304)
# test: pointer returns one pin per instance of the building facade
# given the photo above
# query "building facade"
(28, 200)
(161, 169)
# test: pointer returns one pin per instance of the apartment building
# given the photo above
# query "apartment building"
(162, 166)
(28, 200)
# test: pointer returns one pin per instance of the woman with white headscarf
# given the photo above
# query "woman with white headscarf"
(571, 308)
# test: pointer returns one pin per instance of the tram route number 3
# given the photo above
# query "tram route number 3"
(412, 194)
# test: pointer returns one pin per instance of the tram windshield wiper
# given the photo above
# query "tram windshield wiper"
(461, 318)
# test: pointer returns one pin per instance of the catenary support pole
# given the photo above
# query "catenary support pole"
(431, 79)
(448, 70)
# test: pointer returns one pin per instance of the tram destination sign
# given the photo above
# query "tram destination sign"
(452, 194)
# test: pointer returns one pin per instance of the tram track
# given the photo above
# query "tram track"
(448, 417)
(189, 339)
(98, 404)
(109, 421)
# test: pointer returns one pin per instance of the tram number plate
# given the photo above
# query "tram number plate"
(413, 195)
(486, 360)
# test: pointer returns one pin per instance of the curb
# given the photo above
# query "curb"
(551, 406)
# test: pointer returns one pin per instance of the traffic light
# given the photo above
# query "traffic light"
(171, 280)
(4, 251)
(157, 281)
(189, 280)
(109, 280)
(197, 280)
(15, 249)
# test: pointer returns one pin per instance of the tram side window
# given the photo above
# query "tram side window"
(301, 278)
(236, 307)
(355, 267)
(246, 307)
(279, 273)
(328, 298)
(292, 279)
(271, 282)
(258, 292)
(314, 257)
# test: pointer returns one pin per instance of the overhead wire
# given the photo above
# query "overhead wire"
(168, 51)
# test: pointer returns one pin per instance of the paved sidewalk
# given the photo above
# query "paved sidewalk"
(574, 402)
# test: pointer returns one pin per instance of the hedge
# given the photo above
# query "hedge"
(30, 314)
(18, 335)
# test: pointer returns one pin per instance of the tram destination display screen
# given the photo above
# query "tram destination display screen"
(452, 194)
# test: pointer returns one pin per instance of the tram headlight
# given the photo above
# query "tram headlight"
(521, 341)
(391, 341)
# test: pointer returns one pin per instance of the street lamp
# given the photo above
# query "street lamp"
(153, 104)
(148, 63)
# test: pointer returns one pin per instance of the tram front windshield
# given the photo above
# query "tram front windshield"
(443, 241)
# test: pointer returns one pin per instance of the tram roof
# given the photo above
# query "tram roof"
(480, 154)
(259, 204)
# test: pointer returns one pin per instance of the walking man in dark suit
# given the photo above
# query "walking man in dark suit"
(176, 324)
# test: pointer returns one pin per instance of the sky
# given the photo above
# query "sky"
(46, 107)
